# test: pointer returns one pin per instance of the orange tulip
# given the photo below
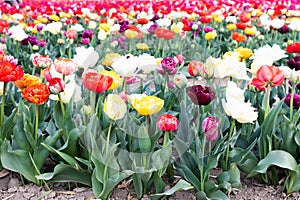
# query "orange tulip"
(37, 94)
(238, 37)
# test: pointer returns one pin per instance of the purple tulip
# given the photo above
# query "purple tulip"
(85, 40)
(42, 43)
(123, 26)
(87, 34)
(210, 128)
(152, 28)
(294, 63)
(296, 101)
(168, 65)
(208, 29)
(200, 95)
(39, 27)
(284, 29)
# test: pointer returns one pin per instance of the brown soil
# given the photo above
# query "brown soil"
(11, 189)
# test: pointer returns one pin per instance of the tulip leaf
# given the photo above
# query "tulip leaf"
(67, 173)
(188, 175)
(180, 185)
(144, 140)
(277, 158)
(70, 160)
(17, 161)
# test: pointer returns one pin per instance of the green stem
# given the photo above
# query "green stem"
(2, 108)
(93, 103)
(147, 123)
(229, 137)
(292, 101)
(166, 138)
(61, 105)
(202, 180)
(267, 101)
(36, 123)
(106, 150)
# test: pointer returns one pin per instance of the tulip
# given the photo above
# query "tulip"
(87, 34)
(210, 128)
(114, 107)
(200, 95)
(196, 68)
(296, 100)
(56, 85)
(238, 37)
(26, 80)
(294, 63)
(147, 105)
(117, 80)
(40, 60)
(168, 65)
(293, 48)
(10, 71)
(167, 122)
(180, 80)
(37, 94)
(96, 82)
(65, 66)
(268, 75)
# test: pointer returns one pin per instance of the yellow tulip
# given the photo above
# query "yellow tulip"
(114, 107)
(104, 26)
(245, 53)
(110, 58)
(210, 35)
(231, 27)
(117, 80)
(131, 34)
(250, 31)
(148, 105)
(54, 17)
(142, 46)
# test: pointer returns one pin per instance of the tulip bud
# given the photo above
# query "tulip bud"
(180, 80)
(210, 128)
(87, 109)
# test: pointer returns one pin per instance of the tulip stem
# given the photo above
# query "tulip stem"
(147, 123)
(202, 164)
(292, 102)
(36, 123)
(166, 138)
(93, 102)
(229, 137)
(61, 104)
(2, 110)
(106, 150)
(267, 101)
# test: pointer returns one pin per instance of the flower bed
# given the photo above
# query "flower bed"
(141, 90)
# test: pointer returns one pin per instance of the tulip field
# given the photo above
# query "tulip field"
(158, 93)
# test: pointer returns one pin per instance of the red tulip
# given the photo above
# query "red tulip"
(10, 72)
(268, 75)
(164, 33)
(97, 82)
(56, 85)
(167, 122)
(142, 21)
(293, 48)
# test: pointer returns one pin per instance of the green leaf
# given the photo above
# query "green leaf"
(278, 158)
(144, 140)
(138, 185)
(17, 161)
(219, 195)
(42, 153)
(70, 160)
(180, 185)
(188, 175)
(67, 173)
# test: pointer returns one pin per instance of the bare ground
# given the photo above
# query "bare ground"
(11, 188)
